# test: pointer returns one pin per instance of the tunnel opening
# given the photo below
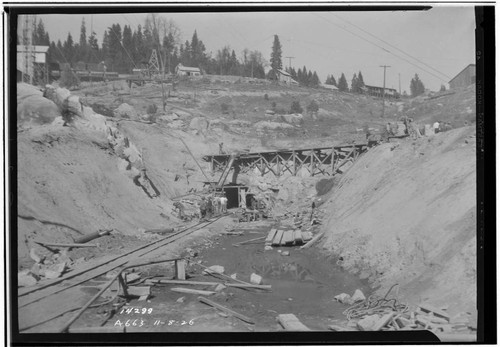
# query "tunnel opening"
(234, 195)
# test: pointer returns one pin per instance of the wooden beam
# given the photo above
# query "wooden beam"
(192, 291)
(226, 310)
(185, 282)
(291, 323)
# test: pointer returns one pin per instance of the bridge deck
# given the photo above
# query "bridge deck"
(318, 160)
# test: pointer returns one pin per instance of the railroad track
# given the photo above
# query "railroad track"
(41, 304)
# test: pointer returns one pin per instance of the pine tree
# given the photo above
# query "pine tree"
(416, 86)
(276, 63)
(342, 85)
(361, 83)
(354, 84)
(315, 80)
(83, 34)
(93, 48)
(127, 47)
(68, 49)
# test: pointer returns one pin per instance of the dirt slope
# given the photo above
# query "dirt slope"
(406, 213)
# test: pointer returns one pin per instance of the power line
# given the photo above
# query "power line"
(382, 48)
(387, 43)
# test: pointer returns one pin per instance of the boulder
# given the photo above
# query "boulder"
(255, 279)
(270, 112)
(176, 124)
(125, 111)
(343, 298)
(358, 296)
(24, 279)
(199, 123)
(73, 106)
(36, 109)
(293, 118)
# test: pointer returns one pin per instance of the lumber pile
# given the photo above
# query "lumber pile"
(287, 237)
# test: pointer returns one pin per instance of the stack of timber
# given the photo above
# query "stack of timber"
(287, 237)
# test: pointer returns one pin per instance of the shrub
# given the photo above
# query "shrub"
(152, 109)
(68, 78)
(266, 97)
(296, 108)
(273, 105)
(312, 107)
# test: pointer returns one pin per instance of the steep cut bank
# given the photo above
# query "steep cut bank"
(406, 213)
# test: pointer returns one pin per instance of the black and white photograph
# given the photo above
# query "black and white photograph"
(282, 171)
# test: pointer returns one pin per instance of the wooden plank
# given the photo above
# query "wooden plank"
(192, 291)
(297, 234)
(180, 269)
(277, 238)
(270, 236)
(33, 294)
(383, 321)
(184, 282)
(339, 328)
(288, 238)
(71, 245)
(313, 241)
(436, 311)
(258, 286)
(291, 323)
(226, 310)
(138, 290)
(306, 236)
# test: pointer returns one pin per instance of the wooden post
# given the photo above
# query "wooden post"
(123, 284)
(294, 164)
(312, 163)
(180, 269)
(333, 161)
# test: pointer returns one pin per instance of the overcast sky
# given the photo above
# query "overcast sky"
(442, 39)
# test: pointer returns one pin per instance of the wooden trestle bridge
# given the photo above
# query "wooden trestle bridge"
(317, 161)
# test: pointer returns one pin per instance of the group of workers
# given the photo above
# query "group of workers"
(213, 205)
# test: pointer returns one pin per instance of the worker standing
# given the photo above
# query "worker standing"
(203, 208)
(223, 201)
(436, 127)
(209, 208)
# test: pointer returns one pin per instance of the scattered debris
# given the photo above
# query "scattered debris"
(358, 296)
(214, 269)
(138, 290)
(24, 279)
(69, 245)
(220, 287)
(286, 253)
(181, 299)
(192, 291)
(343, 298)
(291, 323)
(226, 310)
(255, 279)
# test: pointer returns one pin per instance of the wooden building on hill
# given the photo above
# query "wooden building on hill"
(379, 91)
(464, 78)
(182, 70)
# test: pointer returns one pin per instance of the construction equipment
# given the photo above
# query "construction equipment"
(225, 173)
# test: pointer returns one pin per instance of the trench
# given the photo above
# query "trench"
(303, 283)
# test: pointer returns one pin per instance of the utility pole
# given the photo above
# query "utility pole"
(383, 92)
(399, 83)
(290, 68)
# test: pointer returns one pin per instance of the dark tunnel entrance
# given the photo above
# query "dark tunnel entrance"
(233, 195)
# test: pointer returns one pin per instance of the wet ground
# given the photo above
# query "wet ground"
(303, 283)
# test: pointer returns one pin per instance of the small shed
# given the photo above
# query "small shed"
(330, 87)
(285, 77)
(182, 70)
(464, 78)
